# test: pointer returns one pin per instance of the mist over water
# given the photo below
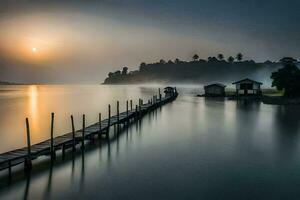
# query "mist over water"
(189, 149)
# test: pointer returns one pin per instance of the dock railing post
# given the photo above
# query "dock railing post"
(159, 94)
(83, 131)
(9, 170)
(118, 116)
(108, 124)
(140, 111)
(136, 111)
(127, 109)
(118, 112)
(100, 128)
(73, 134)
(52, 150)
(28, 164)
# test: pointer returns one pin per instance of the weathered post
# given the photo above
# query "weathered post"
(130, 104)
(52, 150)
(108, 125)
(140, 111)
(73, 134)
(83, 131)
(118, 113)
(100, 128)
(159, 94)
(127, 109)
(9, 170)
(136, 111)
(28, 164)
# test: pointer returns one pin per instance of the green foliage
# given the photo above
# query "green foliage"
(287, 78)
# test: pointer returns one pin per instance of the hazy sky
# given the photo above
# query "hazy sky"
(81, 41)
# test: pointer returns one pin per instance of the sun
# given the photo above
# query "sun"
(34, 50)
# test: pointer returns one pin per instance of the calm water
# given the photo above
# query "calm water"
(193, 148)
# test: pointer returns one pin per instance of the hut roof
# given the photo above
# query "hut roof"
(168, 88)
(247, 79)
(215, 84)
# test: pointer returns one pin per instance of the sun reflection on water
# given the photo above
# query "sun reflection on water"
(33, 108)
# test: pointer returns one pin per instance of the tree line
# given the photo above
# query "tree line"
(195, 58)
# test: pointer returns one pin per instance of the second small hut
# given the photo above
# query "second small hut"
(215, 90)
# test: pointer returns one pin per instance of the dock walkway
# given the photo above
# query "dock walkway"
(72, 139)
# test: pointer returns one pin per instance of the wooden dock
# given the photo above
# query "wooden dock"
(77, 138)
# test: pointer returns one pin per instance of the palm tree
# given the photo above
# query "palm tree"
(195, 57)
(220, 56)
(230, 59)
(125, 70)
(239, 57)
(162, 61)
(177, 61)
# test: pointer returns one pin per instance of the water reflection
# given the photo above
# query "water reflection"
(47, 193)
(37, 102)
(33, 102)
(27, 186)
(181, 144)
(287, 130)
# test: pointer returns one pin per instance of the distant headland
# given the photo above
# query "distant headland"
(8, 83)
(195, 71)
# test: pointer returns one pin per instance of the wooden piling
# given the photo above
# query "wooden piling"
(109, 116)
(100, 128)
(127, 108)
(159, 94)
(52, 150)
(73, 134)
(83, 131)
(9, 170)
(130, 104)
(118, 112)
(28, 164)
(140, 111)
(136, 111)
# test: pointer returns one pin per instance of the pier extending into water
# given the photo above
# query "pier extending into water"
(77, 138)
